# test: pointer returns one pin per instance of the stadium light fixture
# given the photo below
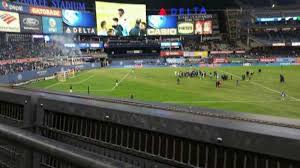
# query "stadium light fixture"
(273, 6)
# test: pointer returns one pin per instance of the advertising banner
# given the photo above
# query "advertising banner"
(80, 30)
(52, 25)
(203, 27)
(61, 4)
(202, 54)
(10, 6)
(240, 52)
(251, 60)
(170, 45)
(193, 18)
(78, 18)
(267, 59)
(120, 19)
(171, 53)
(298, 60)
(9, 22)
(44, 11)
(162, 25)
(175, 60)
(286, 60)
(24, 60)
(236, 60)
(220, 60)
(221, 52)
(31, 23)
(186, 28)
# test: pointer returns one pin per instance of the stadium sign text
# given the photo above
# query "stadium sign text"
(62, 4)
(188, 11)
(44, 11)
(159, 32)
(80, 30)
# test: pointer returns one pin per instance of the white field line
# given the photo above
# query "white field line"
(124, 77)
(229, 101)
(258, 84)
(107, 90)
(79, 82)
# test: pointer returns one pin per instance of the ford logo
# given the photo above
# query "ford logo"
(31, 21)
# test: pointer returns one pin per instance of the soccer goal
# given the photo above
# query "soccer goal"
(63, 75)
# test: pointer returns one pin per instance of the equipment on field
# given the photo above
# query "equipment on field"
(63, 75)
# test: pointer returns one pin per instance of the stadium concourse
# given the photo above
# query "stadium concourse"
(149, 84)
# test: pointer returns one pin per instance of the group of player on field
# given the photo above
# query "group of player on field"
(221, 77)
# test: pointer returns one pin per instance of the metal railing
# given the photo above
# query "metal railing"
(54, 130)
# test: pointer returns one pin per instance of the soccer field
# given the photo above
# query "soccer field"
(260, 95)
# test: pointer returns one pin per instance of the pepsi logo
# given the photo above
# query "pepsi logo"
(5, 4)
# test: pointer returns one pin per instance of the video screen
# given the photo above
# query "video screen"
(119, 19)
(162, 25)
(162, 22)
(78, 18)
(203, 27)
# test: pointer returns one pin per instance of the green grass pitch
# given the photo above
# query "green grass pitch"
(260, 95)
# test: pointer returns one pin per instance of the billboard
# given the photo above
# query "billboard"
(220, 60)
(80, 30)
(52, 25)
(120, 19)
(162, 25)
(267, 59)
(78, 18)
(78, 22)
(202, 54)
(186, 28)
(44, 11)
(31, 24)
(203, 27)
(61, 4)
(171, 53)
(9, 6)
(9, 22)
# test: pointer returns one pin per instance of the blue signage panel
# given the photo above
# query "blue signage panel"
(162, 22)
(9, 6)
(78, 19)
(52, 25)
(62, 4)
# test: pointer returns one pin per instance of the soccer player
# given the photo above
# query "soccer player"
(210, 75)
(135, 31)
(218, 76)
(123, 22)
(178, 81)
(117, 82)
(282, 80)
(283, 95)
(237, 83)
(103, 31)
(143, 27)
(243, 77)
(118, 29)
(89, 90)
(71, 89)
